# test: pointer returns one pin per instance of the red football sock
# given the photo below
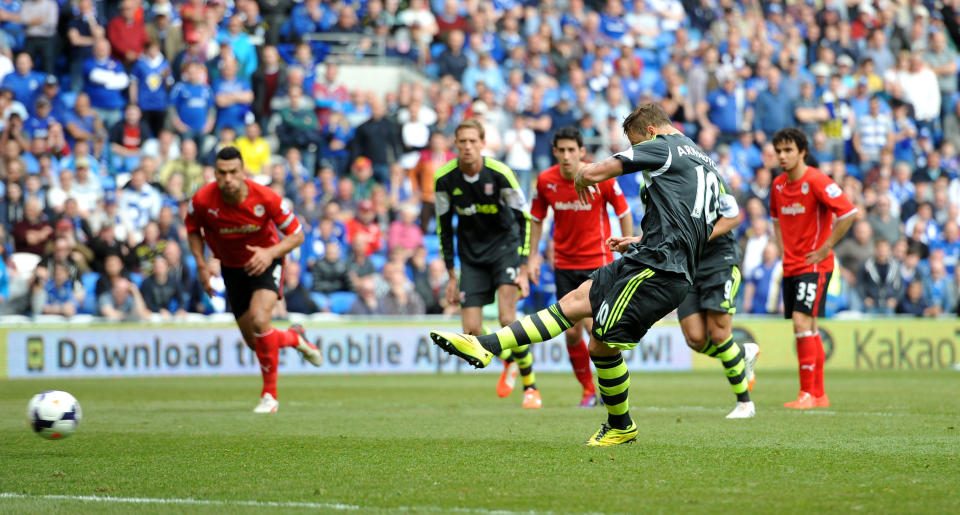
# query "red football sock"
(268, 349)
(807, 356)
(818, 390)
(580, 361)
(290, 338)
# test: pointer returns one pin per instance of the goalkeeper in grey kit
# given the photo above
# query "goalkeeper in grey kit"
(493, 243)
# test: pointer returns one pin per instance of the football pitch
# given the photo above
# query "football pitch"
(372, 444)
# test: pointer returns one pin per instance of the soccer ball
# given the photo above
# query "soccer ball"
(53, 414)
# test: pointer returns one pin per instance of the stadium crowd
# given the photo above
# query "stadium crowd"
(112, 112)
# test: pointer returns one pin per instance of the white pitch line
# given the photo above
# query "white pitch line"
(256, 504)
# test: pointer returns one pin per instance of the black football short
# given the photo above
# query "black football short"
(627, 298)
(569, 280)
(713, 289)
(805, 293)
(241, 285)
(479, 282)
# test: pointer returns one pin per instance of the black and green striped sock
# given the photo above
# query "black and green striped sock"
(524, 359)
(535, 328)
(731, 354)
(614, 380)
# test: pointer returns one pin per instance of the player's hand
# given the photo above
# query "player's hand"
(586, 193)
(621, 243)
(817, 255)
(453, 292)
(522, 281)
(533, 269)
(259, 261)
(204, 275)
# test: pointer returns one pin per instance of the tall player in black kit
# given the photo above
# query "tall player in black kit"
(626, 297)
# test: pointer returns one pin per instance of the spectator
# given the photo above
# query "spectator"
(452, 61)
(914, 303)
(38, 125)
(298, 127)
(254, 149)
(122, 303)
(139, 202)
(359, 264)
(240, 44)
(401, 299)
(773, 106)
(148, 86)
(853, 251)
(162, 294)
(873, 134)
(105, 81)
(233, 96)
(367, 302)
(127, 138)
(365, 223)
(185, 165)
(127, 34)
(879, 283)
(147, 251)
(165, 31)
(39, 18)
(331, 273)
(84, 28)
(377, 139)
(761, 294)
(60, 296)
(422, 176)
(32, 233)
(936, 285)
(83, 122)
(949, 244)
(193, 115)
(518, 143)
(24, 82)
(297, 298)
(404, 232)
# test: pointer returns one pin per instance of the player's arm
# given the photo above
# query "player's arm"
(777, 235)
(592, 173)
(533, 265)
(830, 194)
(287, 223)
(195, 240)
(514, 199)
(729, 215)
(444, 213)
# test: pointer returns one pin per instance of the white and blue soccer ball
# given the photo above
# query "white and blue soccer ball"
(53, 414)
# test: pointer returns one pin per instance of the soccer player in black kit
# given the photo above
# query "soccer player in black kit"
(626, 297)
(493, 242)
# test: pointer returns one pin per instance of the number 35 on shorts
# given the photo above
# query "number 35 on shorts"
(806, 293)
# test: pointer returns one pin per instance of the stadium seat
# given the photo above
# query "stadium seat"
(306, 279)
(378, 261)
(431, 242)
(340, 301)
(322, 301)
(136, 278)
(89, 282)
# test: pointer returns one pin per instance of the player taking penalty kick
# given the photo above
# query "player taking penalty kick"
(625, 298)
(580, 233)
(239, 220)
(803, 204)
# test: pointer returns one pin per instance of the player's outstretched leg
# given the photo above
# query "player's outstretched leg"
(614, 380)
(732, 356)
(268, 352)
(309, 351)
(478, 351)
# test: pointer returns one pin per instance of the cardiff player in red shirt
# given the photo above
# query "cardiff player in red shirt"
(803, 204)
(580, 233)
(239, 220)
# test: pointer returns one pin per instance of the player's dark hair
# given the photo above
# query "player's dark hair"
(791, 134)
(568, 132)
(470, 123)
(646, 115)
(229, 153)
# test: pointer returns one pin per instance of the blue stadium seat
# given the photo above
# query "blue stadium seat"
(306, 279)
(191, 263)
(89, 282)
(431, 242)
(378, 261)
(322, 301)
(136, 278)
(340, 301)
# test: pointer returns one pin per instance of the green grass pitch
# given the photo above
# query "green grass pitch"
(890, 443)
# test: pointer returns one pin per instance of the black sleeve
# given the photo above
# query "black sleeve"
(147, 292)
(444, 222)
(650, 155)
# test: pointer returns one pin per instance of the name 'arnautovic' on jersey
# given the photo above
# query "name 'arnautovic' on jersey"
(491, 213)
(681, 202)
